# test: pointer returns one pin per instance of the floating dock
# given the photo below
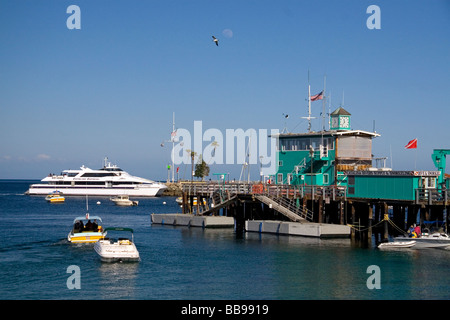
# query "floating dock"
(317, 230)
(189, 220)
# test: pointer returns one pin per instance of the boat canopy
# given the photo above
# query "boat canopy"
(87, 218)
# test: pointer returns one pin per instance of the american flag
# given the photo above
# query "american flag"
(318, 96)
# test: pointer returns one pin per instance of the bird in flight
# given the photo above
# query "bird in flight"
(216, 40)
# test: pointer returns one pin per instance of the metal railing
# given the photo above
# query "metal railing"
(278, 190)
(431, 195)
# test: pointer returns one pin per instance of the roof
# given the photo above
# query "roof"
(87, 218)
(327, 133)
(341, 112)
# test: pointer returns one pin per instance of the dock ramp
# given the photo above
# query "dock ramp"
(287, 208)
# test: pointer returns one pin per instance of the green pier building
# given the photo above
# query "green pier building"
(342, 156)
(320, 158)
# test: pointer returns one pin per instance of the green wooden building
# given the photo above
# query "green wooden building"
(393, 185)
(319, 158)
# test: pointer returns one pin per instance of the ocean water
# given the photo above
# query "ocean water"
(180, 263)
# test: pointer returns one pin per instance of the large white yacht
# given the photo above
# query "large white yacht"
(107, 181)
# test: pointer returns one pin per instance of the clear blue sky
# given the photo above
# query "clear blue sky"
(72, 97)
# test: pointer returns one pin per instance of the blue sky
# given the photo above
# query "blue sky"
(72, 97)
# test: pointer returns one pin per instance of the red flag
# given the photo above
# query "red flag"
(178, 168)
(412, 144)
(318, 96)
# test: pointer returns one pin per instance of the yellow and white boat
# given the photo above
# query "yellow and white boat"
(86, 229)
(55, 197)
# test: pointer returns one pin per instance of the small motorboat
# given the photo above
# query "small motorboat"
(55, 197)
(120, 250)
(124, 200)
(397, 245)
(426, 240)
(86, 230)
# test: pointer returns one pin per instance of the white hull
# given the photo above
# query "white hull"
(114, 252)
(431, 241)
(44, 189)
(107, 181)
(397, 245)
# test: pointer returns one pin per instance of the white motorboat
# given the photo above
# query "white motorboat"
(397, 245)
(107, 181)
(120, 250)
(124, 200)
(426, 240)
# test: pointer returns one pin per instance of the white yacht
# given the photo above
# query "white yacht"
(107, 181)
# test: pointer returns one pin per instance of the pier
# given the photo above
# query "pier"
(326, 181)
(314, 211)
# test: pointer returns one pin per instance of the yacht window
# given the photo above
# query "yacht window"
(98, 174)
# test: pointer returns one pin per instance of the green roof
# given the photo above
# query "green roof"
(340, 112)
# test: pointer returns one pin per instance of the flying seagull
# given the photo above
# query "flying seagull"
(216, 40)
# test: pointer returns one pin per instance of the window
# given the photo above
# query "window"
(280, 178)
(280, 163)
(326, 178)
(351, 180)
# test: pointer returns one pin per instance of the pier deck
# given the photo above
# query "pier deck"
(267, 207)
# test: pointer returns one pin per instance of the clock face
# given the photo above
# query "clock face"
(344, 122)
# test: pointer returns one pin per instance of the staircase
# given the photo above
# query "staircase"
(287, 208)
(219, 201)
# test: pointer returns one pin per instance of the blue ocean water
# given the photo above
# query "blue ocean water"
(195, 263)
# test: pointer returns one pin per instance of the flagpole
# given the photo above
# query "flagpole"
(323, 102)
(309, 105)
(415, 157)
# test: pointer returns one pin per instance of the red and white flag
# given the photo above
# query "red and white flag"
(412, 144)
(318, 96)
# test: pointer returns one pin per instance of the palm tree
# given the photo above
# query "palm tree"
(193, 154)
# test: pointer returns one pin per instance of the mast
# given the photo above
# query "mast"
(172, 137)
(309, 106)
(323, 102)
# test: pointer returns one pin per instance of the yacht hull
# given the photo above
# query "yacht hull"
(44, 189)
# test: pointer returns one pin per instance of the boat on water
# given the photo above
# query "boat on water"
(86, 229)
(124, 200)
(397, 245)
(120, 250)
(438, 240)
(107, 181)
(55, 197)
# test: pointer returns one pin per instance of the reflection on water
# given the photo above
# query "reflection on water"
(118, 280)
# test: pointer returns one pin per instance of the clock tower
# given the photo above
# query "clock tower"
(340, 119)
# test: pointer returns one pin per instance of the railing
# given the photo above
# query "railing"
(277, 190)
(294, 207)
(431, 195)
